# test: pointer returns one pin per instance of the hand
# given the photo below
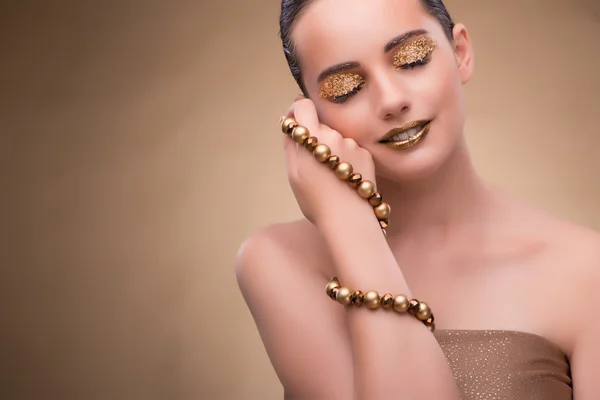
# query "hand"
(318, 191)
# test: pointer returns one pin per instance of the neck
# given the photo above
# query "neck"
(448, 200)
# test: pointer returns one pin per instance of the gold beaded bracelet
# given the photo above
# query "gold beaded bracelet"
(343, 170)
(372, 300)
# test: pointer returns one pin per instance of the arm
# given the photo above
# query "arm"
(395, 356)
(297, 322)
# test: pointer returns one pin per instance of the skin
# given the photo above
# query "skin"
(494, 253)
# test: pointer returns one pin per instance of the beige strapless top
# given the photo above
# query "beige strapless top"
(506, 365)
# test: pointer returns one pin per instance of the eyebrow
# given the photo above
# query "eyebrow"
(398, 40)
(337, 68)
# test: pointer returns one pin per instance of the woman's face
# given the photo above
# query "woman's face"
(374, 66)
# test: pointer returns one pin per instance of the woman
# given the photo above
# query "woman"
(512, 289)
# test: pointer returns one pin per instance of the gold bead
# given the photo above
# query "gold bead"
(343, 296)
(371, 299)
(383, 211)
(333, 283)
(401, 303)
(311, 143)
(343, 170)
(355, 180)
(413, 306)
(387, 301)
(333, 161)
(376, 199)
(322, 152)
(366, 189)
(384, 224)
(430, 320)
(300, 134)
(288, 124)
(334, 292)
(424, 311)
(357, 298)
(431, 327)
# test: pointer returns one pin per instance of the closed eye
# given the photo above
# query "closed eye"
(338, 88)
(415, 53)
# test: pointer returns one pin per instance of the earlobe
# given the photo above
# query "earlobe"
(463, 51)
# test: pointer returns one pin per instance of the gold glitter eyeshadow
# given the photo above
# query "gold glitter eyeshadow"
(414, 51)
(339, 85)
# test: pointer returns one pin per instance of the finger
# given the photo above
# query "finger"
(290, 150)
(306, 114)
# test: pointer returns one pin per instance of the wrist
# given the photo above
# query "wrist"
(360, 253)
(357, 217)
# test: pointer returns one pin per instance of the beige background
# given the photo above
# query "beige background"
(139, 146)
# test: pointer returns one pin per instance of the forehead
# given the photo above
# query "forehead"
(334, 31)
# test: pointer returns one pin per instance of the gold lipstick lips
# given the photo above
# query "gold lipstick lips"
(407, 135)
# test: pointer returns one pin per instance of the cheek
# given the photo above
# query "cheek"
(444, 93)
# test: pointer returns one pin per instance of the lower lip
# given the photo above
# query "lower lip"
(411, 141)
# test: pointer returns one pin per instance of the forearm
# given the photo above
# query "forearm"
(395, 356)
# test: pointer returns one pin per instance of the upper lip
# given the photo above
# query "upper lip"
(403, 128)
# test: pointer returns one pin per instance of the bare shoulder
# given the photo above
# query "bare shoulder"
(571, 252)
(559, 239)
(281, 272)
(281, 252)
(575, 247)
(560, 261)
(297, 240)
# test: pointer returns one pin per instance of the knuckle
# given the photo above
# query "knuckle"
(325, 136)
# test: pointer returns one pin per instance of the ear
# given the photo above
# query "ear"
(463, 51)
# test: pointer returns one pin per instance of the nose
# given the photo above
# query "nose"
(391, 98)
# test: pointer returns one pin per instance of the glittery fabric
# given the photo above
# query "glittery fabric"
(414, 51)
(506, 365)
(339, 85)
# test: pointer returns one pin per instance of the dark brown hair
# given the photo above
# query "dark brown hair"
(291, 10)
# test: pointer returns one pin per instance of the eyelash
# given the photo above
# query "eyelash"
(416, 63)
(343, 98)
